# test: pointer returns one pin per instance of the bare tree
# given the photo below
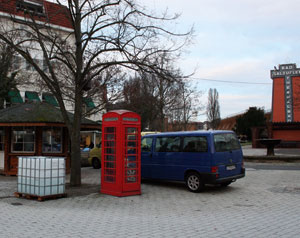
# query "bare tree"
(213, 108)
(166, 88)
(188, 107)
(106, 34)
(7, 74)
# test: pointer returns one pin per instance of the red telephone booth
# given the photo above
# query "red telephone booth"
(121, 155)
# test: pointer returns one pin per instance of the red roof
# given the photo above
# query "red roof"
(53, 13)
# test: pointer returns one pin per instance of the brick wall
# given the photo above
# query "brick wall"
(278, 102)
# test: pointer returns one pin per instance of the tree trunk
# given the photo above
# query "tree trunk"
(75, 179)
(1, 103)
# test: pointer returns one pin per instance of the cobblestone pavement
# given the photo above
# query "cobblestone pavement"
(281, 152)
(266, 203)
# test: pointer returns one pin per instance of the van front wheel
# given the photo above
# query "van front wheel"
(96, 163)
(194, 182)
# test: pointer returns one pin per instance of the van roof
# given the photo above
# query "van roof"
(180, 133)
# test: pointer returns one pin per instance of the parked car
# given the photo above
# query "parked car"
(143, 133)
(84, 156)
(94, 158)
(196, 157)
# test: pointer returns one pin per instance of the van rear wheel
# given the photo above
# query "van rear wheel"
(194, 182)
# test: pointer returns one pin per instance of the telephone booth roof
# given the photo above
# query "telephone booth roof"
(121, 114)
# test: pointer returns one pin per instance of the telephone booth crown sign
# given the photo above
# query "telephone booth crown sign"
(121, 155)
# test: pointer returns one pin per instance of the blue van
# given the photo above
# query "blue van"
(196, 157)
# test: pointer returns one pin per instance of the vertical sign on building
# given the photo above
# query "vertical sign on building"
(288, 99)
(287, 73)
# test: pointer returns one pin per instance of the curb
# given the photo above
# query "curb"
(264, 158)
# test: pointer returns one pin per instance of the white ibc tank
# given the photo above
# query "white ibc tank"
(41, 176)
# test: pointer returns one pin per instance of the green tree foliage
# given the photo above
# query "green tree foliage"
(7, 78)
(252, 118)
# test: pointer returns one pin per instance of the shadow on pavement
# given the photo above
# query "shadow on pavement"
(182, 186)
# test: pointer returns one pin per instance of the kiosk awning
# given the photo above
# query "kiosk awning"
(14, 97)
(49, 98)
(32, 96)
(89, 102)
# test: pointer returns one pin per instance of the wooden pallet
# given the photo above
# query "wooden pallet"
(39, 198)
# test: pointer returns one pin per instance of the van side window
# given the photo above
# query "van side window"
(226, 142)
(195, 144)
(146, 144)
(167, 144)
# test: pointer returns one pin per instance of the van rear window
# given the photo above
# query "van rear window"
(226, 142)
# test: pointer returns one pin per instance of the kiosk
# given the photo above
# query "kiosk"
(121, 155)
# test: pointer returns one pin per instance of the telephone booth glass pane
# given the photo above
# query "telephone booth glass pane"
(109, 154)
(131, 155)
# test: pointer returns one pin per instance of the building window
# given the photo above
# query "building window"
(16, 62)
(23, 139)
(52, 140)
(30, 67)
(1, 139)
(31, 6)
(45, 66)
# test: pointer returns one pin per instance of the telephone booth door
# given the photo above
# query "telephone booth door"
(131, 163)
(109, 156)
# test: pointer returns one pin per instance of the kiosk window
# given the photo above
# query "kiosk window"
(1, 139)
(23, 139)
(52, 138)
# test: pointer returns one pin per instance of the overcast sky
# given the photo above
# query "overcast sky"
(237, 40)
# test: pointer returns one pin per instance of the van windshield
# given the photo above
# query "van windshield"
(226, 142)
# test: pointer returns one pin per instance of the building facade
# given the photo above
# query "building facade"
(13, 14)
(286, 103)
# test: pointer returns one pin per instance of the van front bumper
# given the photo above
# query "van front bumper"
(213, 178)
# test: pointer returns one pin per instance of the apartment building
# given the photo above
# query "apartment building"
(43, 12)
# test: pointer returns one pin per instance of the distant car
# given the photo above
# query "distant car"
(94, 157)
(143, 133)
(84, 156)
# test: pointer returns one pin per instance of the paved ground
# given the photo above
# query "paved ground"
(281, 152)
(263, 204)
